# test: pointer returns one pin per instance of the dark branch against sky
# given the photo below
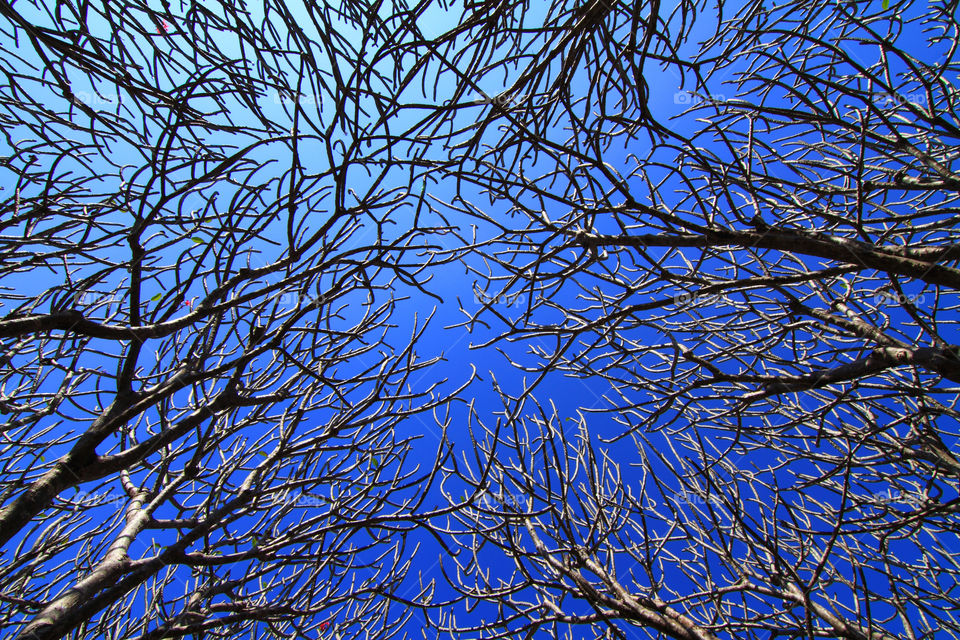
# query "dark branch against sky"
(498, 319)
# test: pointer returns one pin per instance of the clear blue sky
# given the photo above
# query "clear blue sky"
(572, 397)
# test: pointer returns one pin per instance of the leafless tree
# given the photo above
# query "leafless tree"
(734, 225)
(206, 353)
(737, 226)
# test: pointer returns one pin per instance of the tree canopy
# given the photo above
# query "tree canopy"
(705, 256)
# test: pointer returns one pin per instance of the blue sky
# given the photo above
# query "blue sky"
(576, 401)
